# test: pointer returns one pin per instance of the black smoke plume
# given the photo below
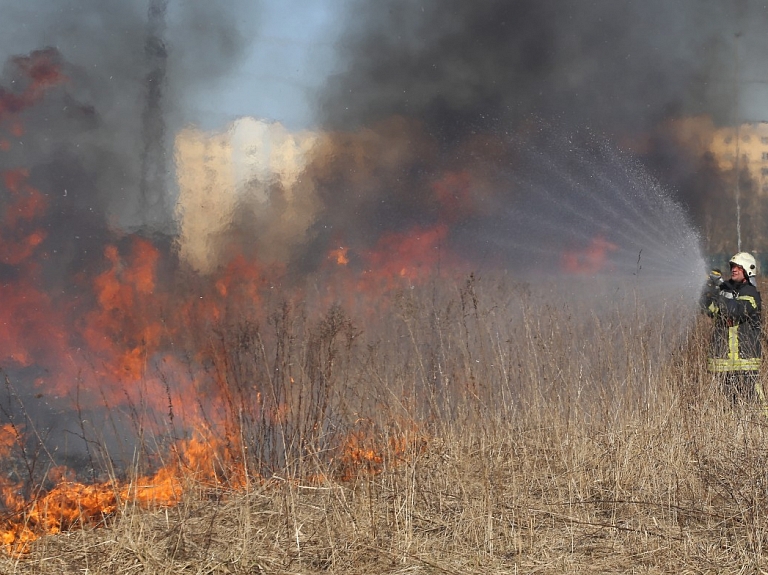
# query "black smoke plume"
(460, 70)
(613, 65)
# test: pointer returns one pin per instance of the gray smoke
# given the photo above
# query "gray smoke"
(615, 65)
(102, 134)
(471, 77)
(96, 147)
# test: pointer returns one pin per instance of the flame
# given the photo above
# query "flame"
(339, 255)
(125, 327)
(9, 436)
(413, 255)
(40, 72)
(367, 449)
(26, 204)
(359, 278)
(134, 337)
(199, 461)
(590, 260)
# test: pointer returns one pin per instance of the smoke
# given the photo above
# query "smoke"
(89, 92)
(419, 159)
(100, 134)
(614, 66)
(472, 77)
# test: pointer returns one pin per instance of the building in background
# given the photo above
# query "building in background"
(743, 151)
(241, 182)
(748, 143)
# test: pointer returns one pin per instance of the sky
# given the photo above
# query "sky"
(289, 58)
(263, 58)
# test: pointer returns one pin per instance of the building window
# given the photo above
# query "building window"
(764, 171)
(728, 140)
(745, 138)
(765, 188)
(764, 140)
(765, 156)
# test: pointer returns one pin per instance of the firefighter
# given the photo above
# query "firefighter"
(735, 307)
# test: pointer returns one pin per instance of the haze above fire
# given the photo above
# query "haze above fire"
(442, 88)
(620, 61)
(614, 65)
(417, 127)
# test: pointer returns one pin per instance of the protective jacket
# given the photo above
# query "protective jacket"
(736, 309)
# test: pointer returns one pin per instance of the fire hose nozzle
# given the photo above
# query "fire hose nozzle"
(716, 277)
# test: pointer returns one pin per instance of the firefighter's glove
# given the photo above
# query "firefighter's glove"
(712, 288)
(715, 278)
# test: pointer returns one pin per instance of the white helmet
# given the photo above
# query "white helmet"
(747, 262)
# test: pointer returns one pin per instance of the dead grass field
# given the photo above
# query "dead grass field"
(514, 431)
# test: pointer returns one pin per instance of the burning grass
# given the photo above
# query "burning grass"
(481, 427)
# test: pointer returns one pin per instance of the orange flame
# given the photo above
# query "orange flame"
(26, 205)
(41, 73)
(339, 255)
(126, 327)
(128, 317)
(590, 260)
(202, 460)
(414, 255)
(366, 451)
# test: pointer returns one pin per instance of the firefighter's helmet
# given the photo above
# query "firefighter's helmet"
(747, 262)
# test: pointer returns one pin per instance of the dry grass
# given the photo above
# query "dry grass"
(534, 434)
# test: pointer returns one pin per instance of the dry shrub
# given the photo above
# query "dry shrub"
(485, 427)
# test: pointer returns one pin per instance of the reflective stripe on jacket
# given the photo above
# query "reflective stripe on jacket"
(735, 342)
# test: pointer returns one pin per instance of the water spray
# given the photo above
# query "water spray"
(590, 211)
(738, 138)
